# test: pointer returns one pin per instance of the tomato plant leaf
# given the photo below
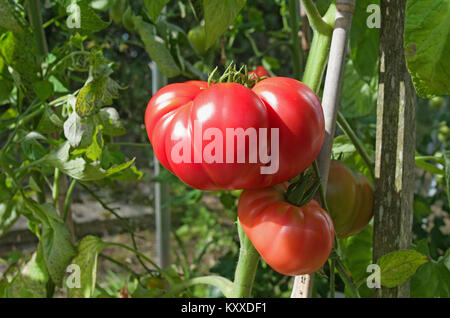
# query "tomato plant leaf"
(154, 8)
(77, 130)
(432, 279)
(32, 279)
(8, 18)
(88, 250)
(78, 168)
(95, 94)
(157, 49)
(364, 41)
(110, 120)
(55, 240)
(356, 252)
(359, 98)
(427, 45)
(19, 52)
(89, 20)
(219, 15)
(398, 266)
(43, 89)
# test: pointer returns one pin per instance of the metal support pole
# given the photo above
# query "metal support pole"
(162, 213)
(331, 96)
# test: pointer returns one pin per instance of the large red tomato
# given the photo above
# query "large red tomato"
(179, 116)
(292, 240)
(349, 199)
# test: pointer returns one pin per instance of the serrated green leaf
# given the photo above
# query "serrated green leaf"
(157, 49)
(364, 41)
(154, 8)
(219, 15)
(88, 250)
(84, 17)
(31, 281)
(110, 120)
(43, 89)
(55, 240)
(431, 280)
(427, 45)
(356, 252)
(8, 19)
(94, 151)
(95, 94)
(78, 131)
(19, 52)
(130, 174)
(359, 98)
(78, 168)
(397, 267)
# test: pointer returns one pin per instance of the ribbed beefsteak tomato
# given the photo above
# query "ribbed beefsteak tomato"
(292, 240)
(224, 136)
(349, 199)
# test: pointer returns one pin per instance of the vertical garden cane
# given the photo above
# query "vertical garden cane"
(333, 83)
(162, 212)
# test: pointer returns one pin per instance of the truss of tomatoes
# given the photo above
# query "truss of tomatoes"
(285, 104)
(292, 240)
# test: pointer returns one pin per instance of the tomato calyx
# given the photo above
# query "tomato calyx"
(302, 191)
(234, 75)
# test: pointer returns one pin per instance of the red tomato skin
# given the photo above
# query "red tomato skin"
(292, 240)
(172, 111)
(259, 71)
(296, 110)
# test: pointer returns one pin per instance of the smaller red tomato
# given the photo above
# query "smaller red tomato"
(349, 199)
(292, 240)
(259, 72)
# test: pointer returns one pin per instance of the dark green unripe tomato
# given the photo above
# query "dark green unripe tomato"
(436, 102)
(197, 36)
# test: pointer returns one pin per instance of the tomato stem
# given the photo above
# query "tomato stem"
(317, 23)
(318, 55)
(332, 277)
(246, 267)
(345, 126)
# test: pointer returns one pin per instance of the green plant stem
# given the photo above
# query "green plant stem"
(67, 200)
(332, 277)
(55, 188)
(246, 267)
(322, 194)
(295, 39)
(342, 271)
(318, 54)
(132, 144)
(137, 253)
(34, 11)
(315, 20)
(221, 283)
(122, 220)
(345, 126)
